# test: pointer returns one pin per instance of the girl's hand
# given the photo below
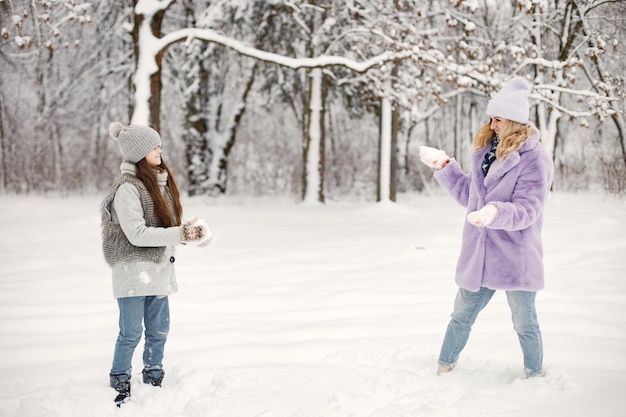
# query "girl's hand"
(197, 231)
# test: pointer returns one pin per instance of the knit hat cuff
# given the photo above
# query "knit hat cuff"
(508, 110)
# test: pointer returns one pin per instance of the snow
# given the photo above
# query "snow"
(432, 156)
(311, 310)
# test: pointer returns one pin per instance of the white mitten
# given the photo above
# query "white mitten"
(484, 216)
(206, 238)
(433, 157)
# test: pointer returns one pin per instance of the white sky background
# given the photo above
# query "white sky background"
(311, 310)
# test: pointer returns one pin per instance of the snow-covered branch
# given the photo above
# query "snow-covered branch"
(574, 92)
(322, 61)
(151, 7)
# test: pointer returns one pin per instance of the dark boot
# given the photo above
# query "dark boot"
(121, 384)
(153, 376)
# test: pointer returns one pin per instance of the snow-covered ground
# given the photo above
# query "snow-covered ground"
(311, 311)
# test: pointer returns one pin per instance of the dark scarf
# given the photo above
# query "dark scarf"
(490, 156)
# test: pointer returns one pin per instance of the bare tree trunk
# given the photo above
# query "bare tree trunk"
(57, 152)
(210, 128)
(3, 145)
(313, 175)
(155, 79)
(218, 177)
(621, 138)
(155, 85)
(387, 184)
(393, 177)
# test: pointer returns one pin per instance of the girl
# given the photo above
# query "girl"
(141, 225)
(505, 193)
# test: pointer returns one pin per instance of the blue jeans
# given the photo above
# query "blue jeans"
(468, 304)
(155, 314)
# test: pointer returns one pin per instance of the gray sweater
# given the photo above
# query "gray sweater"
(142, 275)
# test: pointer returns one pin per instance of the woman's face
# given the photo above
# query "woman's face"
(154, 157)
(497, 123)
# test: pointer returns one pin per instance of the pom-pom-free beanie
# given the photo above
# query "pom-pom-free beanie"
(135, 142)
(511, 102)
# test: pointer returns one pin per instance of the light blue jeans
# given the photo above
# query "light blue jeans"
(468, 304)
(155, 314)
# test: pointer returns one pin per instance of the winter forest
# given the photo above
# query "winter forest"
(324, 99)
(293, 128)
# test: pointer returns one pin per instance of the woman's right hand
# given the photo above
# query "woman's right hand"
(433, 157)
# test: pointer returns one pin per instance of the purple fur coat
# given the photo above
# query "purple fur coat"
(508, 253)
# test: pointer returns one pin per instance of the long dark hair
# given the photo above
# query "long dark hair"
(148, 175)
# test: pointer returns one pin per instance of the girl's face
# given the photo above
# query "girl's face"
(497, 123)
(154, 157)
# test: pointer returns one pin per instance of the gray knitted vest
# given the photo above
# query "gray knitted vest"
(115, 244)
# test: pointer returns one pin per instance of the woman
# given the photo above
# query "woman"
(505, 193)
(141, 225)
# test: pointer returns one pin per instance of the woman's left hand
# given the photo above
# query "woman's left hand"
(484, 216)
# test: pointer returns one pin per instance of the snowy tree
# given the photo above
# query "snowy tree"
(214, 106)
(548, 42)
(411, 86)
(43, 23)
(334, 65)
(470, 60)
(150, 46)
(216, 87)
(567, 40)
(472, 48)
(37, 36)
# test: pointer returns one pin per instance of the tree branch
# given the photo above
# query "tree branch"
(322, 61)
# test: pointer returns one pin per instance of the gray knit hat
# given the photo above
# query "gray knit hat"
(511, 102)
(135, 142)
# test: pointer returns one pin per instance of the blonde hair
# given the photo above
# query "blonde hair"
(512, 136)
